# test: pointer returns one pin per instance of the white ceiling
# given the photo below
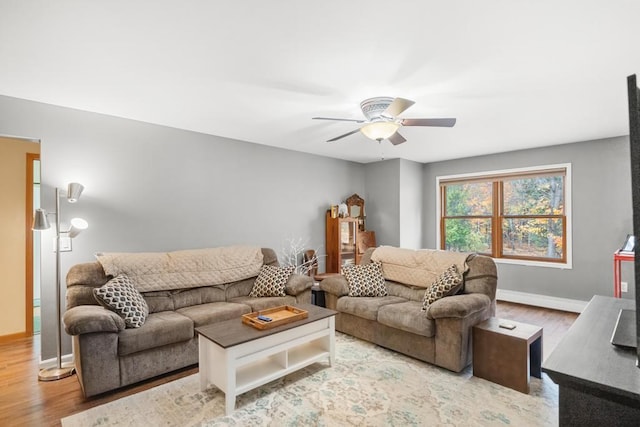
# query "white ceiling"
(516, 74)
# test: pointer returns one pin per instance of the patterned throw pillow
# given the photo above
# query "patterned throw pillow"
(271, 281)
(120, 296)
(365, 280)
(448, 283)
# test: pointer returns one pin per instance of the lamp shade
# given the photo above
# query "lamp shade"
(379, 130)
(74, 190)
(77, 225)
(40, 221)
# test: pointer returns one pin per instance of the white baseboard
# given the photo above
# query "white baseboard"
(564, 304)
(50, 363)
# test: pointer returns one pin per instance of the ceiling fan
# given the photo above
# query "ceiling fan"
(382, 121)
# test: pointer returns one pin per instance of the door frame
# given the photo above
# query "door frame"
(31, 158)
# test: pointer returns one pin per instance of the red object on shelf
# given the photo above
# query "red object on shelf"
(618, 257)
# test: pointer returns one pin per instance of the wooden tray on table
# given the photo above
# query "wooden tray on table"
(279, 316)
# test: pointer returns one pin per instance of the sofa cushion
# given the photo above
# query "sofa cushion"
(120, 296)
(159, 301)
(257, 304)
(407, 316)
(365, 280)
(186, 298)
(165, 327)
(271, 281)
(365, 307)
(205, 314)
(448, 283)
(413, 293)
(213, 294)
(241, 288)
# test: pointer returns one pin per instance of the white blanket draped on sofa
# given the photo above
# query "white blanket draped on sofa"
(162, 271)
(417, 267)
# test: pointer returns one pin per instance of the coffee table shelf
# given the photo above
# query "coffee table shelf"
(257, 359)
(269, 367)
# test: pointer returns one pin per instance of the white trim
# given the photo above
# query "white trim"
(567, 210)
(50, 363)
(537, 300)
(530, 263)
(23, 138)
(504, 171)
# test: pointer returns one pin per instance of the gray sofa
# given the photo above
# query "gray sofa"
(108, 356)
(441, 336)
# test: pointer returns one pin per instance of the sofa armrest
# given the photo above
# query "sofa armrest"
(458, 306)
(297, 284)
(335, 285)
(85, 319)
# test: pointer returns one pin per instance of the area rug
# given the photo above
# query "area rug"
(367, 386)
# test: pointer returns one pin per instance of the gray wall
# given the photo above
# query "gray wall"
(382, 201)
(153, 188)
(601, 197)
(395, 200)
(411, 217)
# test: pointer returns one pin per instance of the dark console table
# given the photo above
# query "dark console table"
(599, 384)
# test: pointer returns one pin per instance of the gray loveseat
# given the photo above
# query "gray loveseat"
(441, 336)
(108, 356)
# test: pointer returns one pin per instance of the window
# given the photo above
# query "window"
(519, 215)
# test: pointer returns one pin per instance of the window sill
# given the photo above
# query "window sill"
(527, 263)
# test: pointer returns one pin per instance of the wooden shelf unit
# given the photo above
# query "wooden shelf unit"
(341, 242)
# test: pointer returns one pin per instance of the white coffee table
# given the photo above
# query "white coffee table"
(237, 358)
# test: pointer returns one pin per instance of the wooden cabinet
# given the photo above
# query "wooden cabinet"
(341, 239)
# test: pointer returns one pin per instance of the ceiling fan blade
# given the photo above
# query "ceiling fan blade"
(429, 122)
(397, 106)
(342, 136)
(396, 139)
(340, 120)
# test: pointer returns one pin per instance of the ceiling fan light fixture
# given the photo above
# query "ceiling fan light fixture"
(379, 130)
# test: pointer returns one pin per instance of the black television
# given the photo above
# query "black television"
(627, 330)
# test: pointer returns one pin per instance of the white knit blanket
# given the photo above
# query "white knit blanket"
(417, 267)
(161, 271)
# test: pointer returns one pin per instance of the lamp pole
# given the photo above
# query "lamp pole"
(52, 374)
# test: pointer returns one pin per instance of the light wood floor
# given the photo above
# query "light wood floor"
(24, 401)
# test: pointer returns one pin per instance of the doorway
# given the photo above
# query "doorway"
(17, 263)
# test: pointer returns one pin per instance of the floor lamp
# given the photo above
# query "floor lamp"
(41, 222)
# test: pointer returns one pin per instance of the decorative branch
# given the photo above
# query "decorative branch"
(292, 254)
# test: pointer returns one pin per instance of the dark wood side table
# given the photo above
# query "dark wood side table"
(507, 356)
(317, 294)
